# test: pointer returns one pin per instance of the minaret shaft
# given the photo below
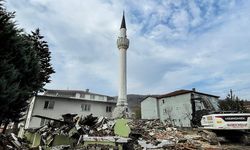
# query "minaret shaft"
(122, 44)
(122, 97)
(121, 109)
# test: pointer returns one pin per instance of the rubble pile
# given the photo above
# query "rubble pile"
(75, 127)
(10, 141)
(143, 134)
(154, 129)
(154, 134)
(103, 127)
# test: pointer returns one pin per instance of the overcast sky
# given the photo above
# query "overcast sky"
(174, 44)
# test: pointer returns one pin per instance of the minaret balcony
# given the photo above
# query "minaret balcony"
(122, 43)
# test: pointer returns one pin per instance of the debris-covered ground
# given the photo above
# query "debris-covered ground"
(11, 141)
(76, 132)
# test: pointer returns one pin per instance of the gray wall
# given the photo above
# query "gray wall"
(149, 108)
(176, 110)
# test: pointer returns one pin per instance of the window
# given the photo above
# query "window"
(82, 95)
(199, 105)
(49, 104)
(163, 101)
(101, 97)
(78, 95)
(92, 96)
(108, 109)
(85, 107)
(126, 109)
(44, 122)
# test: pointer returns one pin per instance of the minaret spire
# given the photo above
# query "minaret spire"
(123, 24)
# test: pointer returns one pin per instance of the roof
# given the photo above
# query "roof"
(153, 96)
(71, 93)
(123, 24)
(79, 99)
(50, 91)
(180, 92)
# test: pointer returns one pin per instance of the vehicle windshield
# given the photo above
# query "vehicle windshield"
(215, 103)
(206, 102)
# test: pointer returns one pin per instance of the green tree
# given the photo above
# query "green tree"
(43, 54)
(24, 67)
(232, 103)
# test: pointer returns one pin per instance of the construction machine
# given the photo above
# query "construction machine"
(214, 123)
(230, 125)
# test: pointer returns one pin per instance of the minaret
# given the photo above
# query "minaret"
(121, 109)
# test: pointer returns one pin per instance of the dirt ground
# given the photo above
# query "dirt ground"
(234, 146)
(225, 144)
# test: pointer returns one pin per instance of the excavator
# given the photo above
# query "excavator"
(230, 125)
(216, 124)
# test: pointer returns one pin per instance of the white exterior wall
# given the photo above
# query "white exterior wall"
(63, 106)
(122, 95)
(178, 107)
(149, 108)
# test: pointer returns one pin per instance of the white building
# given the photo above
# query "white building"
(54, 103)
(179, 107)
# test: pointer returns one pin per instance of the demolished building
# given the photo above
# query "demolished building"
(53, 103)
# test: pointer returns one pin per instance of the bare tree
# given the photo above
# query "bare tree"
(168, 111)
(187, 113)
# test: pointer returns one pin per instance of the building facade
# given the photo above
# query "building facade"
(55, 103)
(179, 107)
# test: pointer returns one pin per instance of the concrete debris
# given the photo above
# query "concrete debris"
(60, 147)
(74, 127)
(209, 136)
(153, 134)
(11, 141)
(89, 132)
(154, 129)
